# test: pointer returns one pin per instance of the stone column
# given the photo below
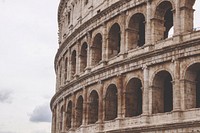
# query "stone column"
(89, 52)
(120, 114)
(123, 33)
(101, 108)
(73, 121)
(85, 102)
(186, 17)
(176, 87)
(145, 107)
(78, 59)
(69, 66)
(57, 118)
(104, 44)
(150, 100)
(53, 129)
(148, 24)
(64, 116)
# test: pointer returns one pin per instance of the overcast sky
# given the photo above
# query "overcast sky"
(28, 43)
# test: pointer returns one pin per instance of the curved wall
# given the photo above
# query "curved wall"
(127, 66)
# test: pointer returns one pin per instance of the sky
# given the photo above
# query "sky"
(28, 44)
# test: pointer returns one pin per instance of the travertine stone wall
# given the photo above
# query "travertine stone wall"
(127, 66)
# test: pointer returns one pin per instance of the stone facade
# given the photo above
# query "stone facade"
(127, 66)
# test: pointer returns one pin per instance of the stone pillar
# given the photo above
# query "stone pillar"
(186, 18)
(148, 24)
(57, 118)
(53, 129)
(120, 114)
(177, 19)
(89, 52)
(123, 33)
(64, 116)
(104, 44)
(150, 100)
(101, 107)
(176, 87)
(145, 107)
(85, 113)
(70, 65)
(68, 69)
(78, 59)
(73, 121)
(62, 71)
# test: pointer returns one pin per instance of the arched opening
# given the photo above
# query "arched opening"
(111, 103)
(79, 112)
(60, 72)
(97, 49)
(133, 100)
(192, 86)
(93, 109)
(114, 40)
(162, 92)
(136, 31)
(163, 21)
(69, 116)
(61, 117)
(83, 57)
(168, 18)
(73, 63)
(66, 68)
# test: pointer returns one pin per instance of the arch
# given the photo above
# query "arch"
(136, 31)
(73, 63)
(93, 109)
(163, 21)
(83, 57)
(66, 68)
(79, 112)
(133, 98)
(162, 92)
(61, 117)
(114, 40)
(111, 103)
(97, 49)
(69, 115)
(192, 86)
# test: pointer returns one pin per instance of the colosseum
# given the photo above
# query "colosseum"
(127, 66)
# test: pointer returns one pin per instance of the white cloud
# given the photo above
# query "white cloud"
(6, 96)
(41, 113)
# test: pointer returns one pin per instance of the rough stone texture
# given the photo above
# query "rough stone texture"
(119, 69)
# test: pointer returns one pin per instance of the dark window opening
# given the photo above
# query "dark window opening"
(133, 100)
(162, 93)
(111, 103)
(83, 57)
(93, 108)
(97, 49)
(198, 90)
(168, 22)
(69, 116)
(73, 63)
(114, 41)
(79, 112)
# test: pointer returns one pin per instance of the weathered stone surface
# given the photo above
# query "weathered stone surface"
(120, 70)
